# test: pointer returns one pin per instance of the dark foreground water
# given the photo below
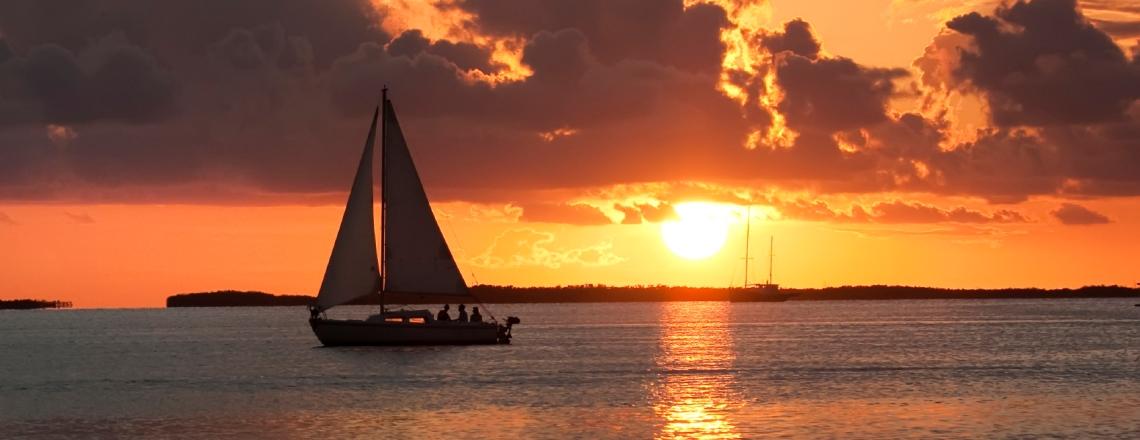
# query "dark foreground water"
(850, 369)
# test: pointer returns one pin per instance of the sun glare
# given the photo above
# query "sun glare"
(699, 230)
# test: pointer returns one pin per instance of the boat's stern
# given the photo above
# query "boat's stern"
(504, 336)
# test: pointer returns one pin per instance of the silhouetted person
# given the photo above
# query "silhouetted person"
(462, 313)
(443, 316)
(475, 316)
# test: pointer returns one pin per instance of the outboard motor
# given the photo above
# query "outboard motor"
(505, 330)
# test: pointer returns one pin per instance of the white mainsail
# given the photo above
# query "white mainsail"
(352, 270)
(416, 256)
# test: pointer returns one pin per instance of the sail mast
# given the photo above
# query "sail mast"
(352, 269)
(747, 232)
(383, 192)
(417, 259)
(771, 240)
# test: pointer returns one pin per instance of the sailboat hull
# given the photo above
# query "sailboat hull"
(759, 293)
(333, 333)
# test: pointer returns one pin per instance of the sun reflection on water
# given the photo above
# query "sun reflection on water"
(696, 390)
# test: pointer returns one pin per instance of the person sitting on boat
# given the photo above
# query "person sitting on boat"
(443, 316)
(475, 316)
(462, 313)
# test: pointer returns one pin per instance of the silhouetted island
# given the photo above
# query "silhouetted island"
(235, 298)
(29, 304)
(602, 293)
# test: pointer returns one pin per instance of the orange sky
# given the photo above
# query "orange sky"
(135, 255)
(114, 245)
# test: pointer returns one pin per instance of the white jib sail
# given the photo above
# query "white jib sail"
(417, 259)
(352, 271)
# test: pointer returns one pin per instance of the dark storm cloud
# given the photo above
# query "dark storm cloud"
(254, 109)
(560, 57)
(276, 100)
(569, 87)
(826, 93)
(1063, 97)
(110, 80)
(1042, 63)
(263, 46)
(212, 90)
(5, 51)
(834, 94)
(466, 56)
(1073, 214)
(796, 38)
(182, 29)
(662, 31)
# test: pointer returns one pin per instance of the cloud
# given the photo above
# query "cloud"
(508, 213)
(664, 32)
(558, 57)
(272, 98)
(529, 247)
(183, 31)
(1073, 214)
(637, 213)
(891, 212)
(61, 134)
(833, 94)
(988, 235)
(572, 214)
(909, 212)
(1062, 96)
(81, 218)
(112, 80)
(1041, 62)
(796, 38)
(465, 56)
(5, 219)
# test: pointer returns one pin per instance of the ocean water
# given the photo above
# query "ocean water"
(848, 369)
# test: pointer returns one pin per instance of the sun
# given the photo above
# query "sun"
(699, 230)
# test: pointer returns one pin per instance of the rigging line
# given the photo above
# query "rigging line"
(481, 304)
(458, 241)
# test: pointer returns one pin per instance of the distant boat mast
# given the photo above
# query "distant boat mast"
(771, 242)
(747, 245)
(747, 238)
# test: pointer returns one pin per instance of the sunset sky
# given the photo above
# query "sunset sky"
(150, 148)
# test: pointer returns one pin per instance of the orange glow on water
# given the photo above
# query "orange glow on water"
(696, 395)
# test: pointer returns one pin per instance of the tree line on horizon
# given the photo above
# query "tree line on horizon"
(651, 293)
(29, 304)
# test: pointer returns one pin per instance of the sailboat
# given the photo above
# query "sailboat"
(414, 259)
(760, 292)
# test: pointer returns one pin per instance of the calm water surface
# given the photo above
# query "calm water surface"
(851, 369)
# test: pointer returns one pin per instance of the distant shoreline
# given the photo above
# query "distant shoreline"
(32, 304)
(598, 293)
